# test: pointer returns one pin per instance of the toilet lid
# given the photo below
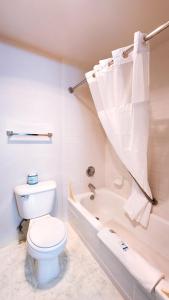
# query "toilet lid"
(47, 232)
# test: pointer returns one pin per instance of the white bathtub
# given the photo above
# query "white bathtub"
(90, 216)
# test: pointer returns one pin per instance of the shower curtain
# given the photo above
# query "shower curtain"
(121, 95)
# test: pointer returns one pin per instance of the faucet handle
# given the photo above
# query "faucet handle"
(90, 171)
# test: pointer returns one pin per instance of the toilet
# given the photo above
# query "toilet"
(47, 236)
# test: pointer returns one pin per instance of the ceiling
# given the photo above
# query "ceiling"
(79, 31)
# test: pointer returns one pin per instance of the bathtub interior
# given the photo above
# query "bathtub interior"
(99, 210)
(106, 210)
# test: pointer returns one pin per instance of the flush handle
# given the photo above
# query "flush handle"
(24, 197)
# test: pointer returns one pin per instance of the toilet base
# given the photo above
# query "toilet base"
(46, 270)
(46, 266)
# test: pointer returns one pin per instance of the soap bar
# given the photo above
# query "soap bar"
(32, 178)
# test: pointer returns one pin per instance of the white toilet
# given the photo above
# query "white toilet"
(47, 236)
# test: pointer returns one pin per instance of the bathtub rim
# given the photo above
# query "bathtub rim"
(79, 197)
(98, 226)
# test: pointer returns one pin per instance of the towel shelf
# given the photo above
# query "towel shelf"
(11, 133)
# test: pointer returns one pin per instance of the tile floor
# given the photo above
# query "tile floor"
(81, 277)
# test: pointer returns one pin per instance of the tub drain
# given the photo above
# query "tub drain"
(112, 231)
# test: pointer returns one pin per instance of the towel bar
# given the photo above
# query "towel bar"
(11, 133)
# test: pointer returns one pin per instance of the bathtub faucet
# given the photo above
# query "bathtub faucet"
(92, 189)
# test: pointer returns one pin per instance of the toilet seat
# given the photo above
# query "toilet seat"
(47, 232)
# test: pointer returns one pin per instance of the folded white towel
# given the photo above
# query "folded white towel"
(138, 208)
(138, 267)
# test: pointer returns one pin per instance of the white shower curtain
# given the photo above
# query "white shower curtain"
(121, 96)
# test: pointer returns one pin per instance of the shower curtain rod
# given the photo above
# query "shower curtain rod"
(149, 36)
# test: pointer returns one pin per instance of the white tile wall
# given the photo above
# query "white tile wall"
(83, 140)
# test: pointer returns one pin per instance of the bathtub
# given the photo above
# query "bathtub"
(89, 217)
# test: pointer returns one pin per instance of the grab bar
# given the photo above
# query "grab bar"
(11, 133)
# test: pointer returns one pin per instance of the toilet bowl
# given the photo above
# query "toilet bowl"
(46, 239)
(47, 236)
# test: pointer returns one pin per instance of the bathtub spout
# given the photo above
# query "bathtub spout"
(92, 189)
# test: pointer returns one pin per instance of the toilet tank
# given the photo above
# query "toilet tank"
(35, 200)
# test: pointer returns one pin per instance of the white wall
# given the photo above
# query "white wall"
(34, 97)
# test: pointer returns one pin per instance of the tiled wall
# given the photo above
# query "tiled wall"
(116, 176)
(83, 139)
